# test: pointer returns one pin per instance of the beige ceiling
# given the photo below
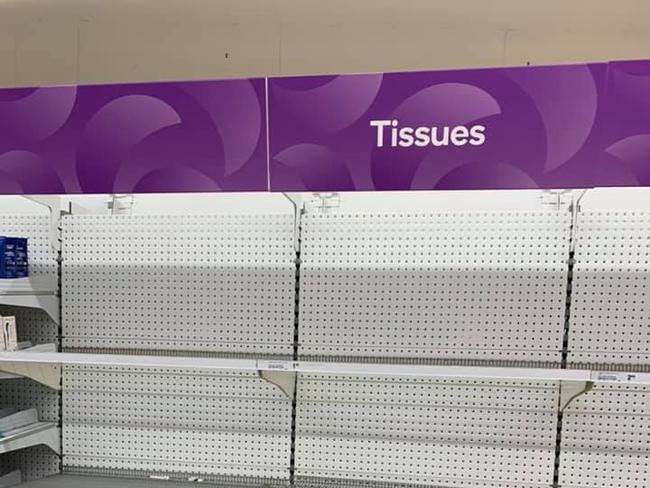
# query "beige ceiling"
(95, 41)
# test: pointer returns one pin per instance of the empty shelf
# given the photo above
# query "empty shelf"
(39, 433)
(33, 292)
(69, 481)
(45, 367)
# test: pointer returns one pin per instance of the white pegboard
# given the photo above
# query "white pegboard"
(24, 394)
(213, 284)
(606, 439)
(175, 422)
(434, 286)
(426, 432)
(34, 463)
(610, 308)
(34, 325)
(42, 256)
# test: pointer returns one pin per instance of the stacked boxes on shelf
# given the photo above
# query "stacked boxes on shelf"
(14, 262)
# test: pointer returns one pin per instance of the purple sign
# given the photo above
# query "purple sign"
(572, 126)
(154, 137)
(626, 127)
(530, 127)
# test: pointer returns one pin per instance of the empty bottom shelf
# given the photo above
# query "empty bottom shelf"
(72, 481)
(84, 481)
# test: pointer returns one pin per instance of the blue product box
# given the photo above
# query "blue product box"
(22, 262)
(14, 261)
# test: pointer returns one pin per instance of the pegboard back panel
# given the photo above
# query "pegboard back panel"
(425, 432)
(610, 309)
(437, 286)
(175, 422)
(606, 439)
(220, 284)
(24, 394)
(42, 256)
(33, 325)
(34, 463)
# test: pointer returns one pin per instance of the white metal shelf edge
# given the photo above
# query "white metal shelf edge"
(45, 368)
(41, 433)
(33, 292)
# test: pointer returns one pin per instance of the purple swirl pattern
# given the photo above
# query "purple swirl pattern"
(626, 132)
(545, 127)
(31, 115)
(571, 104)
(153, 137)
(24, 170)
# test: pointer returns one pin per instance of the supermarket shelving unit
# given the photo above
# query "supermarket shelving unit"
(343, 384)
(33, 448)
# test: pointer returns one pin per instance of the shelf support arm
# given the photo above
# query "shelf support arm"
(298, 209)
(284, 380)
(570, 390)
(54, 205)
(45, 374)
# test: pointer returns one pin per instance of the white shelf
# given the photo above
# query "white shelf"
(43, 365)
(457, 372)
(33, 292)
(34, 285)
(25, 369)
(426, 371)
(39, 358)
(68, 481)
(39, 433)
(9, 376)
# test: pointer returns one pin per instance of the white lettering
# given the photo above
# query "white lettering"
(458, 136)
(478, 135)
(406, 137)
(380, 124)
(422, 136)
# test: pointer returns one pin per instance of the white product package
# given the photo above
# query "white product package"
(9, 333)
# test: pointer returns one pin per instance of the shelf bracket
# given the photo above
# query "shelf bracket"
(48, 374)
(40, 434)
(45, 374)
(570, 390)
(55, 207)
(48, 303)
(298, 209)
(284, 380)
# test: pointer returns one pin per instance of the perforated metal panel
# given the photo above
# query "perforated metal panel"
(436, 286)
(610, 310)
(425, 432)
(606, 439)
(34, 463)
(212, 284)
(34, 325)
(175, 422)
(24, 394)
